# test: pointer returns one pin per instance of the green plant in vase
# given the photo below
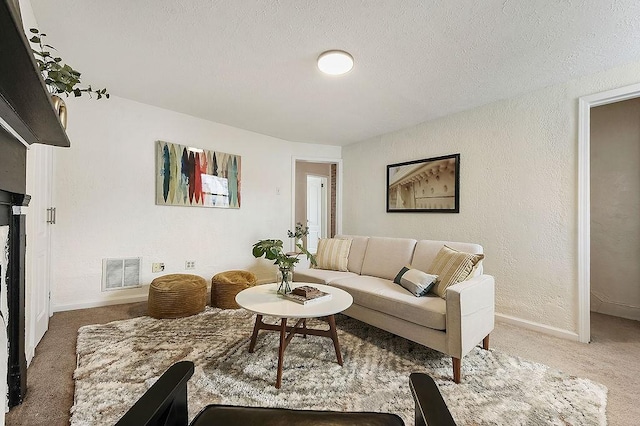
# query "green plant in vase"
(274, 250)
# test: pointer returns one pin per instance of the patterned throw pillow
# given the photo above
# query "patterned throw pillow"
(333, 254)
(452, 266)
(416, 281)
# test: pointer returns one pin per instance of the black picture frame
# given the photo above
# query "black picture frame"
(431, 185)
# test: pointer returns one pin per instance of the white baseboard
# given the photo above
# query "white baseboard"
(542, 328)
(603, 305)
(101, 302)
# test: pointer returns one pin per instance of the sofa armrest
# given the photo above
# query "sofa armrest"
(470, 313)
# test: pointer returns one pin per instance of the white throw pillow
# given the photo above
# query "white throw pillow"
(416, 281)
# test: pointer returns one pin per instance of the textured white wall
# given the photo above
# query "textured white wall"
(518, 192)
(615, 209)
(105, 194)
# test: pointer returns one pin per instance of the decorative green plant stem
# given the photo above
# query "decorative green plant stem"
(59, 77)
(273, 249)
(299, 231)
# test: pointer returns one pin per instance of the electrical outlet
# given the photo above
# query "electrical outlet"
(157, 267)
(190, 264)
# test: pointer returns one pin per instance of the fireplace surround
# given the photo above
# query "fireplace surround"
(13, 289)
(27, 116)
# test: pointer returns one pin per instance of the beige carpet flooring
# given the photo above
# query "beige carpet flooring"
(611, 359)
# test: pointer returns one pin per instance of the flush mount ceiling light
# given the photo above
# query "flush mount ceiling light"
(335, 62)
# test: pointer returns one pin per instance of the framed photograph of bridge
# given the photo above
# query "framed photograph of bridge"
(431, 185)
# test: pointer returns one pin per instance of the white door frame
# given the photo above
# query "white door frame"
(338, 162)
(584, 198)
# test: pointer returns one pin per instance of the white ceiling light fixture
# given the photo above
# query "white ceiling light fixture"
(335, 62)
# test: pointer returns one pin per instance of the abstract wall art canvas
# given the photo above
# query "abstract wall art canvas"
(187, 176)
(430, 185)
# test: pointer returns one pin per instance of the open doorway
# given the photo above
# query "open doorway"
(615, 209)
(317, 212)
(586, 103)
(316, 198)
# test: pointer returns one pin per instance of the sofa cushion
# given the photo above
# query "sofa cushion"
(452, 266)
(417, 282)
(427, 250)
(319, 276)
(386, 256)
(356, 253)
(387, 297)
(333, 254)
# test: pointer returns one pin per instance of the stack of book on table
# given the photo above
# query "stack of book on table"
(306, 294)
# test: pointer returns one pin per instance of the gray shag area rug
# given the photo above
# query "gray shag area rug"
(118, 361)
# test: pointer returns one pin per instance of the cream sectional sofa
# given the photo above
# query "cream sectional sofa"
(452, 326)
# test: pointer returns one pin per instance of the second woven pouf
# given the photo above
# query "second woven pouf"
(177, 296)
(226, 285)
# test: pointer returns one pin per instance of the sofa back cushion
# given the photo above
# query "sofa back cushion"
(385, 257)
(356, 253)
(427, 250)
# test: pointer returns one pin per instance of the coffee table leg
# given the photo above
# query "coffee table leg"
(254, 336)
(334, 337)
(304, 327)
(283, 337)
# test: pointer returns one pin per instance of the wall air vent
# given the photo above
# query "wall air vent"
(120, 273)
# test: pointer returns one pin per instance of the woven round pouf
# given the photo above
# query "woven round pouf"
(177, 296)
(226, 285)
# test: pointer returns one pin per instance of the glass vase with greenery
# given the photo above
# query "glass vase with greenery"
(274, 250)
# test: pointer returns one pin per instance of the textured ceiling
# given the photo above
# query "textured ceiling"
(251, 64)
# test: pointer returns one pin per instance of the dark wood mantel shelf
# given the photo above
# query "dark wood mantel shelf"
(25, 103)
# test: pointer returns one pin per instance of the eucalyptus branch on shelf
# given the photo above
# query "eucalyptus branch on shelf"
(59, 77)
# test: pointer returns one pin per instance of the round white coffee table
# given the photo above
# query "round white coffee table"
(264, 300)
